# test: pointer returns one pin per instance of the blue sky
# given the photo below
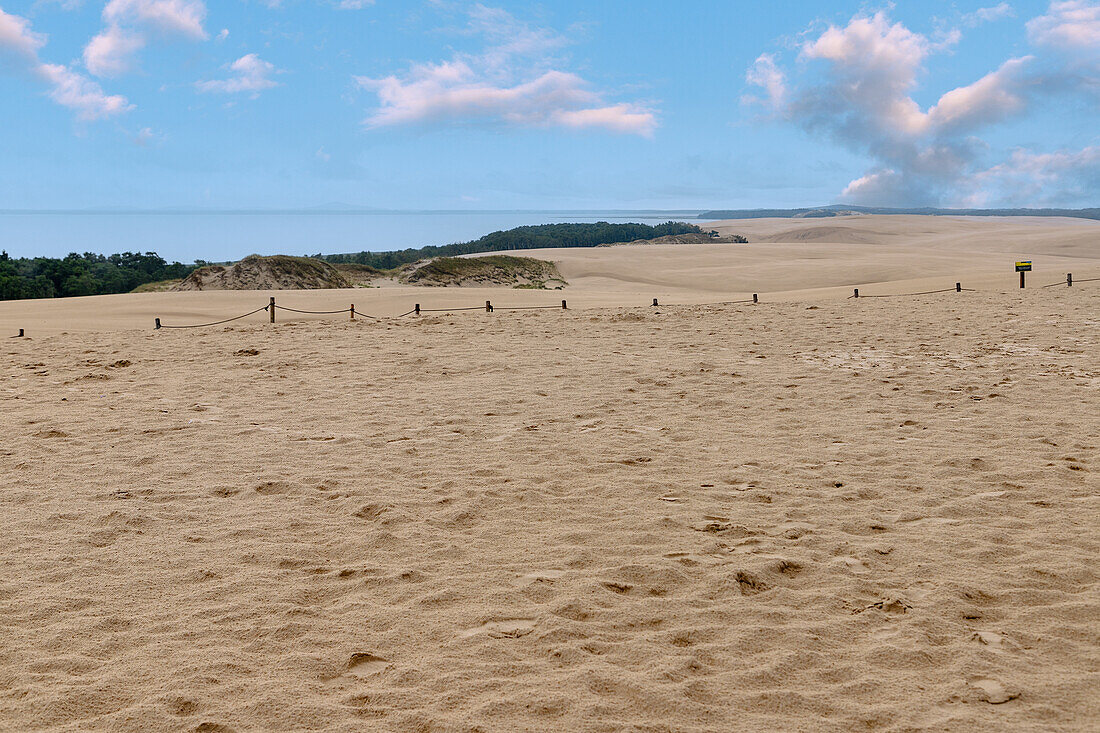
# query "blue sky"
(551, 105)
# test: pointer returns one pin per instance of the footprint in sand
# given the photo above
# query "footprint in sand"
(994, 692)
(365, 663)
(509, 628)
(539, 576)
(993, 640)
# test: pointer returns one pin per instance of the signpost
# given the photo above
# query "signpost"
(1022, 267)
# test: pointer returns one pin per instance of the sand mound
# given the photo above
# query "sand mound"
(278, 272)
(517, 272)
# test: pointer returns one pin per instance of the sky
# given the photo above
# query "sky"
(570, 104)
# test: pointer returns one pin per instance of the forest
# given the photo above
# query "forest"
(86, 274)
(527, 237)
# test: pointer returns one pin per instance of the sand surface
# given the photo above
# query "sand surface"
(817, 514)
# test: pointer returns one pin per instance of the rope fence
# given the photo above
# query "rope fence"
(957, 289)
(215, 323)
(272, 307)
(1069, 281)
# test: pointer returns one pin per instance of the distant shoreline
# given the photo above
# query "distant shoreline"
(579, 213)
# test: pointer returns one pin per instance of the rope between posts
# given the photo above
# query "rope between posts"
(526, 307)
(905, 295)
(1083, 280)
(216, 323)
(448, 310)
(317, 313)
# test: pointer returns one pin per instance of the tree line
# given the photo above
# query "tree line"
(527, 237)
(84, 274)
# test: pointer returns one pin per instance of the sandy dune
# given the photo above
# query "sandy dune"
(792, 258)
(816, 514)
(879, 254)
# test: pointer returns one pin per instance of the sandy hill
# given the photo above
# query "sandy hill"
(488, 270)
(277, 272)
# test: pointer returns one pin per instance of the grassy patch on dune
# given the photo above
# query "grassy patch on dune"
(160, 286)
(519, 272)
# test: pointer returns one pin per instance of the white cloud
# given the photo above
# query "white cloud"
(128, 24)
(251, 74)
(1074, 24)
(173, 17)
(65, 4)
(865, 101)
(1035, 179)
(765, 74)
(17, 39)
(624, 118)
(20, 45)
(511, 81)
(143, 137)
(988, 15)
(110, 53)
(997, 96)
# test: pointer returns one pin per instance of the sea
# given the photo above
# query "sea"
(187, 236)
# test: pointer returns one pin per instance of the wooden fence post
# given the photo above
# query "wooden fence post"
(654, 303)
(1021, 279)
(353, 311)
(21, 330)
(271, 307)
(958, 287)
(563, 306)
(856, 294)
(416, 309)
(488, 307)
(155, 319)
(755, 298)
(1069, 279)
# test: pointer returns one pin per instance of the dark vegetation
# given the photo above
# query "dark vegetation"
(529, 237)
(86, 274)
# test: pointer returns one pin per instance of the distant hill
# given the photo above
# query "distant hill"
(278, 272)
(846, 210)
(489, 270)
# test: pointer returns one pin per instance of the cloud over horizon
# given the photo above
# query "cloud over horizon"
(864, 101)
(487, 86)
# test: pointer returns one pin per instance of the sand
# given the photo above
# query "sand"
(812, 514)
